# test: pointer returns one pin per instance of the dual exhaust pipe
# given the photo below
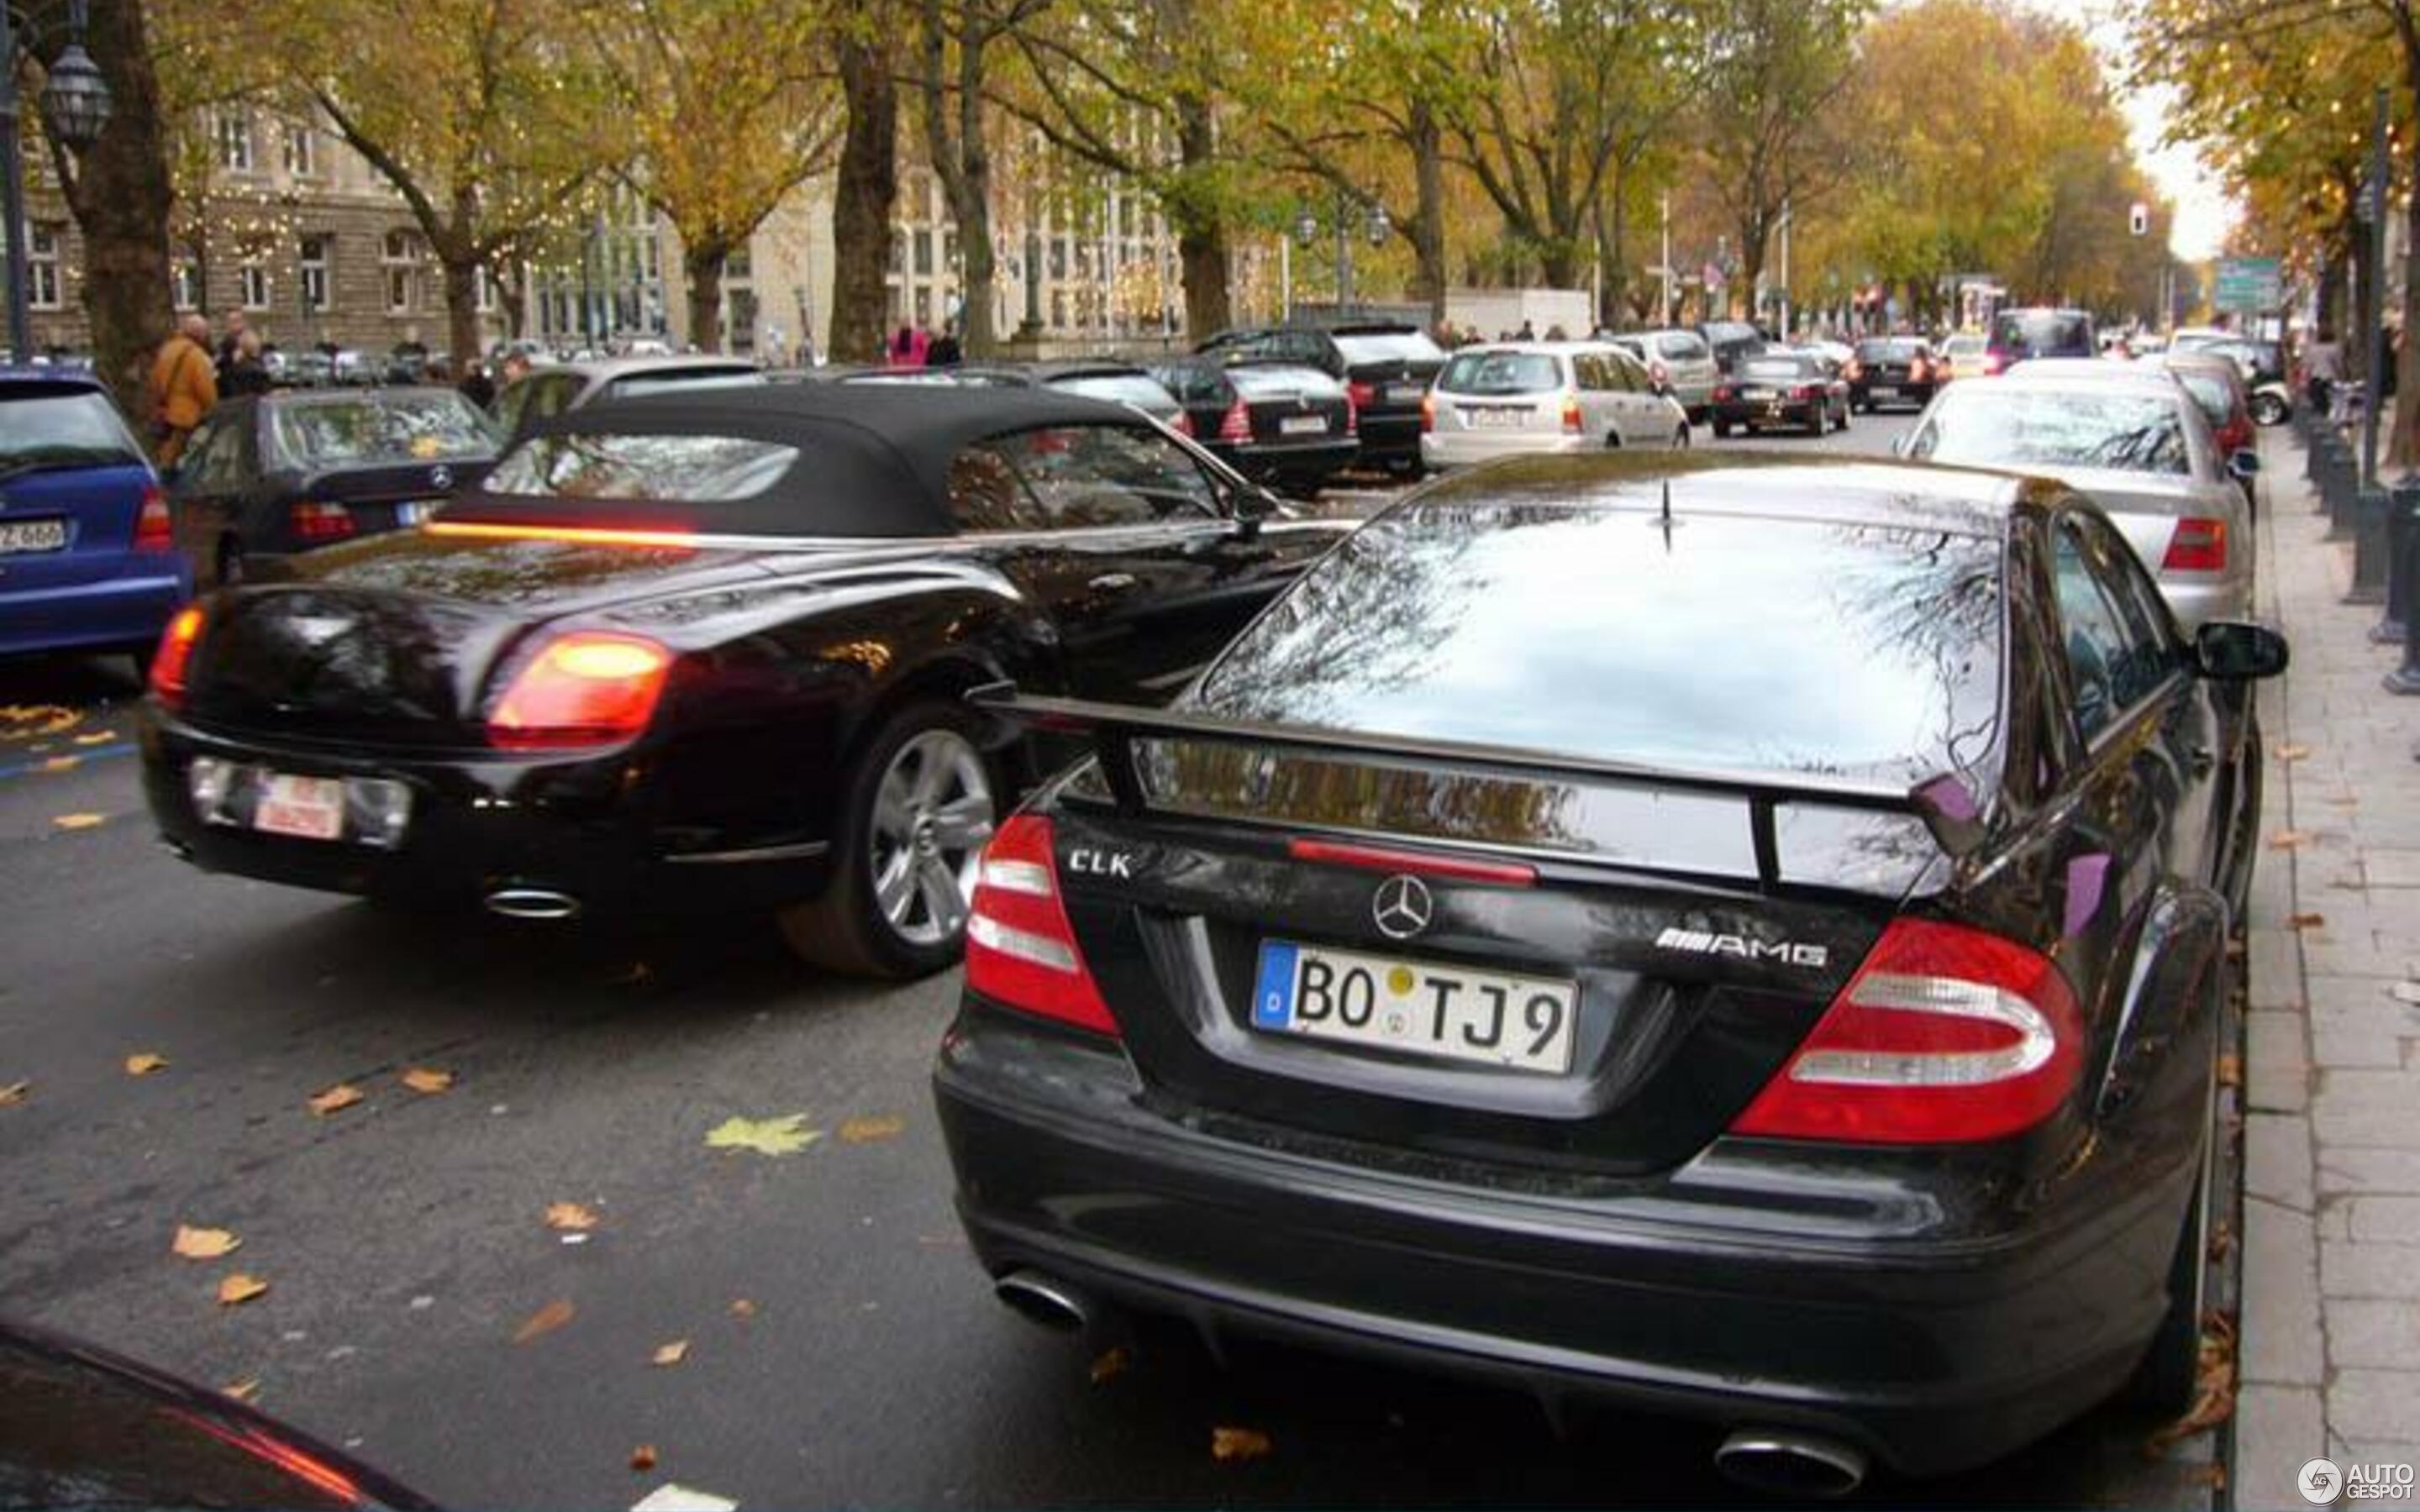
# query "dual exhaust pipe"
(1787, 1463)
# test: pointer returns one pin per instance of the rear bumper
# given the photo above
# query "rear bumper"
(1933, 1355)
(1750, 416)
(1918, 395)
(128, 610)
(1292, 462)
(1390, 436)
(1469, 449)
(574, 826)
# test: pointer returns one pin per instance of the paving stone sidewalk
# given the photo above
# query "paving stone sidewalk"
(2330, 1332)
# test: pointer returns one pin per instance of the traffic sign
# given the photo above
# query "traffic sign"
(2248, 285)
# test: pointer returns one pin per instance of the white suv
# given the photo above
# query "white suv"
(1512, 397)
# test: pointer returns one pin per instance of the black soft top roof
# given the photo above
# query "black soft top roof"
(874, 458)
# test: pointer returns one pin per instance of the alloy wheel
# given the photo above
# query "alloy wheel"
(933, 810)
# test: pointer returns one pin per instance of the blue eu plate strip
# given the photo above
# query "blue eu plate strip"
(1273, 994)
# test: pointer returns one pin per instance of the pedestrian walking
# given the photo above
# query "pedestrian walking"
(231, 337)
(1528, 331)
(906, 350)
(245, 371)
(477, 386)
(945, 351)
(2322, 370)
(182, 387)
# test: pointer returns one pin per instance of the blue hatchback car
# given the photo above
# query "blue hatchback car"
(87, 554)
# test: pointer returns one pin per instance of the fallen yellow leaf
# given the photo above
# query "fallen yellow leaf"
(95, 737)
(643, 1456)
(79, 821)
(421, 1079)
(335, 1100)
(62, 763)
(2308, 921)
(672, 1353)
(39, 719)
(785, 1135)
(865, 1131)
(2288, 751)
(2286, 839)
(1238, 1443)
(14, 1094)
(742, 1307)
(204, 1243)
(241, 1287)
(1109, 1364)
(545, 1320)
(145, 1064)
(569, 1215)
(245, 1391)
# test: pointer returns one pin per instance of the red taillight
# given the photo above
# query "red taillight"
(1570, 414)
(1722, 394)
(1658, 374)
(1362, 394)
(588, 688)
(153, 530)
(1237, 424)
(176, 651)
(321, 523)
(1021, 952)
(1352, 415)
(2198, 546)
(1993, 363)
(1946, 1034)
(1423, 863)
(1428, 413)
(1803, 391)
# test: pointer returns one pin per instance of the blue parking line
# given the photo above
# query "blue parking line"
(81, 755)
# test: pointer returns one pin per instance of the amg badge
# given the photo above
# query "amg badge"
(1701, 942)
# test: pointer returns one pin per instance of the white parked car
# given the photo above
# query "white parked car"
(1512, 397)
(2138, 444)
(1680, 361)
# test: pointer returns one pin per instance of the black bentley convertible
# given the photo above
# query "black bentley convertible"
(710, 652)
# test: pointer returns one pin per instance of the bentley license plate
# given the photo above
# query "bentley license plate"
(1418, 1007)
(311, 808)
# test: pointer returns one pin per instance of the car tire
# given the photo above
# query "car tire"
(888, 831)
(1722, 430)
(2169, 1377)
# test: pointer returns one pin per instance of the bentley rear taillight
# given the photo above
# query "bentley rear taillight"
(1021, 951)
(1946, 1034)
(169, 663)
(587, 688)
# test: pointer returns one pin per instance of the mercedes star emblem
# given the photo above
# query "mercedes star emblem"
(440, 477)
(1401, 907)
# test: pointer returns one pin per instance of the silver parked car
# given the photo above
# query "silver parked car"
(576, 384)
(2138, 444)
(1516, 398)
(1680, 361)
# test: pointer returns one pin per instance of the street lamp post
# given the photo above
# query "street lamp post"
(75, 109)
(1375, 221)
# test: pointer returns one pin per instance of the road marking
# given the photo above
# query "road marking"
(83, 758)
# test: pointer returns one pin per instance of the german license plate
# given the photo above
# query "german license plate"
(1884, 392)
(1420, 1007)
(1497, 419)
(1758, 394)
(311, 808)
(33, 535)
(1303, 426)
(1408, 392)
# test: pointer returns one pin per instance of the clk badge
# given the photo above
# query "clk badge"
(1401, 907)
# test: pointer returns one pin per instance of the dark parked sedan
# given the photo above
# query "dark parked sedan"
(1385, 369)
(1278, 422)
(705, 652)
(1810, 1025)
(1775, 388)
(1895, 370)
(265, 478)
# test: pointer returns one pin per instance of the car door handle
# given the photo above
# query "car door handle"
(1114, 582)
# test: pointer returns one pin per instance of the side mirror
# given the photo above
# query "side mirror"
(2239, 651)
(1253, 504)
(2244, 464)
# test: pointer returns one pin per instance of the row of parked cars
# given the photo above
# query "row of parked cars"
(1740, 934)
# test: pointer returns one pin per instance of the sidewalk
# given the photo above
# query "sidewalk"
(2330, 1362)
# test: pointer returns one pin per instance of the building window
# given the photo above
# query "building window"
(1059, 309)
(234, 140)
(898, 252)
(923, 305)
(401, 255)
(949, 250)
(301, 151)
(923, 253)
(1058, 259)
(185, 280)
(312, 266)
(740, 265)
(252, 282)
(42, 266)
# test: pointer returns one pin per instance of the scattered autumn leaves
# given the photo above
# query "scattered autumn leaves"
(785, 1135)
(204, 1243)
(1228, 1443)
(545, 1320)
(145, 1064)
(239, 1288)
(335, 1100)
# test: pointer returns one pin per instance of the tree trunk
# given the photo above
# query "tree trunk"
(461, 271)
(1202, 232)
(1428, 215)
(702, 260)
(962, 158)
(862, 196)
(122, 201)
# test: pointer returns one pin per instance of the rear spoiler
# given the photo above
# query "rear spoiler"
(1942, 803)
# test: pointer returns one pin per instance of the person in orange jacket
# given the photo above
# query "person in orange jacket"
(185, 385)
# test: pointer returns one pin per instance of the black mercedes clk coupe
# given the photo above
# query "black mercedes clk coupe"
(1745, 938)
(706, 652)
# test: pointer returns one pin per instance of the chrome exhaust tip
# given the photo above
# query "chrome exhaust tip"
(1786, 1462)
(1044, 1300)
(542, 904)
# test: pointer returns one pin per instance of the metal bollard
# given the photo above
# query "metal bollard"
(2405, 680)
(2338, 481)
(2402, 522)
(2311, 461)
(2371, 507)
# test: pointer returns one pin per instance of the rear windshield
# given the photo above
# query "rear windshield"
(1255, 379)
(392, 426)
(78, 429)
(2011, 427)
(1586, 630)
(1390, 347)
(1494, 373)
(1680, 344)
(684, 379)
(1119, 388)
(1886, 352)
(2043, 333)
(691, 469)
(1777, 368)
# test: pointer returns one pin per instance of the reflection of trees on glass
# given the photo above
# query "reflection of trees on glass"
(695, 468)
(390, 428)
(1291, 787)
(497, 572)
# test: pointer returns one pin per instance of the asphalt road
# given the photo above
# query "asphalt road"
(842, 1347)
